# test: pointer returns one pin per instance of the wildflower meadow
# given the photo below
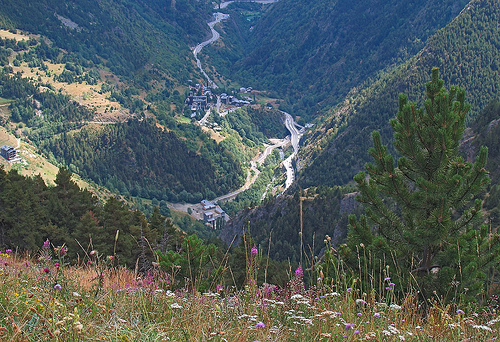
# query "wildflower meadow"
(43, 298)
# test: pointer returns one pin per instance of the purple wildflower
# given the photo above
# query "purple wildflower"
(349, 326)
(387, 279)
(356, 332)
(260, 325)
(254, 250)
(376, 314)
(349, 289)
(46, 244)
(299, 273)
(391, 284)
(360, 314)
(460, 312)
(57, 287)
(8, 251)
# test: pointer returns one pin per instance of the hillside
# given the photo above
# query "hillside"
(314, 52)
(467, 53)
(138, 39)
(70, 106)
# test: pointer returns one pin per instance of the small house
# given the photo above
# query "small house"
(207, 205)
(208, 217)
(8, 152)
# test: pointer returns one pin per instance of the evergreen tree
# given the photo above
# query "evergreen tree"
(423, 217)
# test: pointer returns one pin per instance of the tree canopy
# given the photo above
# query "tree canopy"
(423, 217)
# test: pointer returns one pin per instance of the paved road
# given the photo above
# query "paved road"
(226, 3)
(295, 135)
(258, 160)
(215, 35)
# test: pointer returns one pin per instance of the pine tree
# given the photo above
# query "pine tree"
(423, 217)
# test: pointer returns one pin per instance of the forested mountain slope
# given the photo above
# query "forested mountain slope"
(129, 37)
(467, 51)
(314, 52)
(140, 159)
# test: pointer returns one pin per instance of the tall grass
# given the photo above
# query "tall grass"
(44, 299)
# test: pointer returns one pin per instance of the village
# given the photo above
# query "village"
(201, 100)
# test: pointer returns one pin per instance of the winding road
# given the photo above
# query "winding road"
(295, 136)
(291, 125)
(215, 35)
(257, 161)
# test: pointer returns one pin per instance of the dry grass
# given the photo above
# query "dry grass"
(40, 301)
(87, 95)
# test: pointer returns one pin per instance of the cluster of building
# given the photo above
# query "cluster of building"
(232, 100)
(200, 97)
(212, 212)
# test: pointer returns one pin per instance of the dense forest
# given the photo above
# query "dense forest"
(136, 39)
(138, 158)
(314, 52)
(276, 224)
(66, 215)
(82, 229)
(467, 53)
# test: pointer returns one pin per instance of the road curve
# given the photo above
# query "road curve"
(258, 160)
(226, 3)
(215, 35)
(295, 136)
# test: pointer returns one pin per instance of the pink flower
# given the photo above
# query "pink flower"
(260, 325)
(299, 273)
(46, 270)
(254, 250)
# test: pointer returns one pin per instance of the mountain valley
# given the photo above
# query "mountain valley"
(112, 91)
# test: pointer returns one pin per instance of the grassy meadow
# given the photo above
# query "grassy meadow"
(44, 299)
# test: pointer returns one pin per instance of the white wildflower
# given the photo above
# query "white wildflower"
(393, 329)
(493, 321)
(175, 306)
(332, 294)
(297, 297)
(381, 305)
(305, 302)
(401, 338)
(395, 307)
(483, 327)
(169, 293)
(386, 332)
